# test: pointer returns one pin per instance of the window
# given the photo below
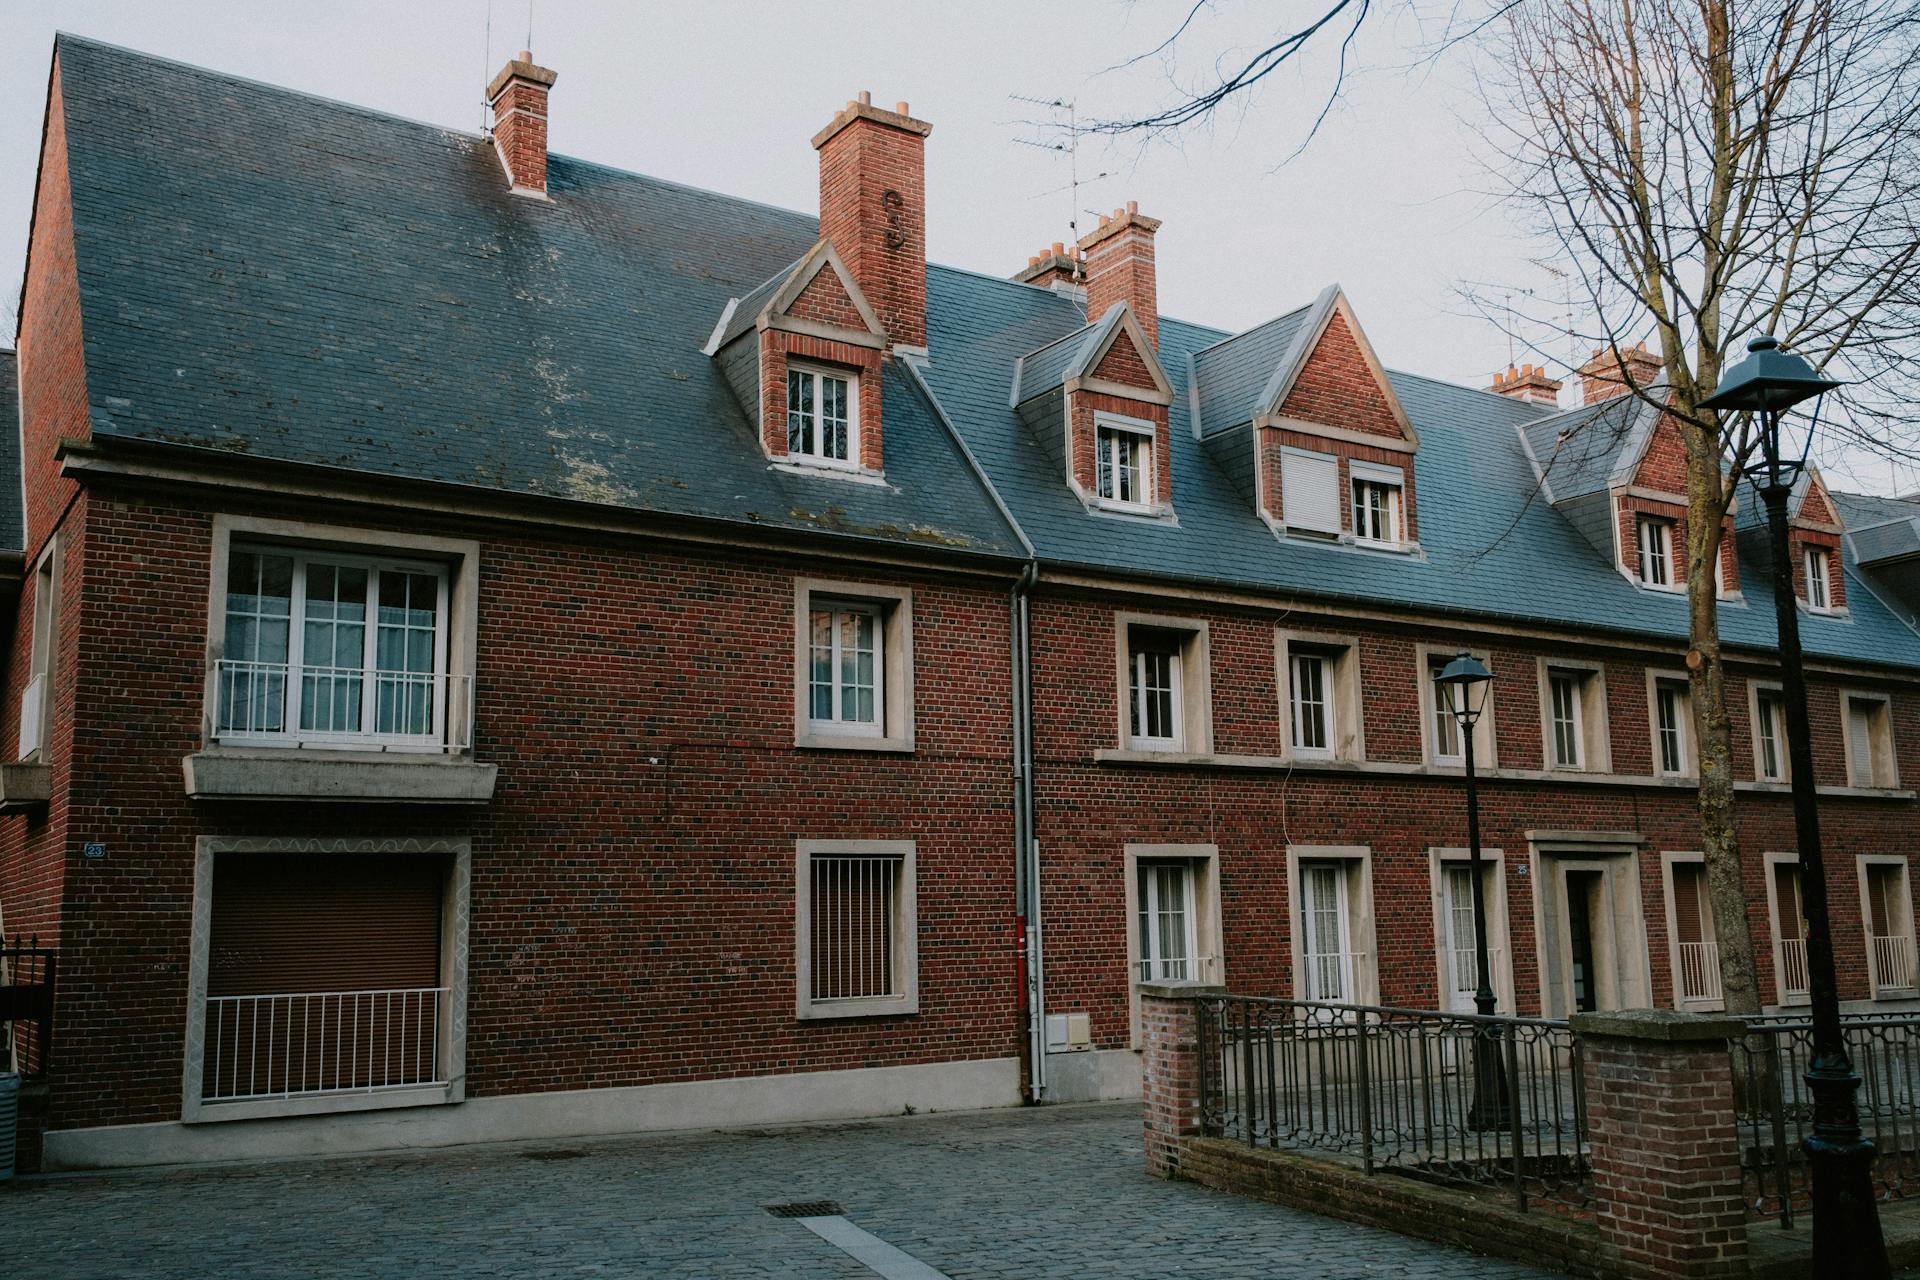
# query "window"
(1574, 715)
(1696, 956)
(1376, 503)
(1656, 551)
(853, 666)
(1887, 910)
(1168, 950)
(845, 672)
(855, 940)
(1156, 707)
(1324, 933)
(327, 649)
(1312, 704)
(1447, 745)
(36, 706)
(1672, 727)
(1869, 743)
(1454, 934)
(1789, 929)
(1163, 685)
(1770, 735)
(823, 422)
(1815, 561)
(1123, 462)
(1310, 491)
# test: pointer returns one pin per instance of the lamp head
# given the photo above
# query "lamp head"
(1464, 683)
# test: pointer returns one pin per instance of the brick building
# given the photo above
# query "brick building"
(507, 647)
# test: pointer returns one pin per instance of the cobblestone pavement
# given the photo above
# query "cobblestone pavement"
(1041, 1193)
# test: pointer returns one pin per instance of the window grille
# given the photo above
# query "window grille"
(854, 913)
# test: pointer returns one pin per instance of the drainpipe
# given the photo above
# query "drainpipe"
(1026, 848)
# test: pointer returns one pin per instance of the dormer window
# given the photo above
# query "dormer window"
(1817, 564)
(1376, 504)
(1656, 551)
(823, 421)
(1123, 462)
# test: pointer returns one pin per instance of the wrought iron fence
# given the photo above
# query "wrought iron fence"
(1482, 1102)
(1775, 1109)
(26, 1006)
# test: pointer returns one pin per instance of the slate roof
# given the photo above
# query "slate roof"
(303, 280)
(747, 309)
(1592, 448)
(13, 536)
(1041, 371)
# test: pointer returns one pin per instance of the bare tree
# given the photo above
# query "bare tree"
(1709, 170)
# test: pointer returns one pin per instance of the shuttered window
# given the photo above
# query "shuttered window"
(1310, 491)
(322, 975)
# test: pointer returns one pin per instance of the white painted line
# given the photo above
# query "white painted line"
(870, 1250)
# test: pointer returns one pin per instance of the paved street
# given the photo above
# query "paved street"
(1057, 1192)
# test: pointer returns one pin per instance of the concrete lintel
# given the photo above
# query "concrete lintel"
(354, 777)
(1658, 1024)
(1180, 990)
(25, 787)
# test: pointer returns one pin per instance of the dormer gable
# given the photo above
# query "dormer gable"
(1815, 534)
(802, 353)
(1333, 447)
(1098, 400)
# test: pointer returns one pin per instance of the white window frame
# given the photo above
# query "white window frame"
(1867, 864)
(1816, 564)
(1670, 861)
(1656, 552)
(445, 707)
(1191, 680)
(1761, 693)
(1441, 862)
(1391, 481)
(1657, 682)
(1111, 430)
(1345, 713)
(1428, 659)
(1782, 996)
(1592, 735)
(1354, 865)
(1154, 965)
(1203, 862)
(1882, 765)
(1568, 723)
(1290, 511)
(905, 926)
(1144, 690)
(836, 722)
(893, 667)
(816, 457)
(1312, 667)
(36, 699)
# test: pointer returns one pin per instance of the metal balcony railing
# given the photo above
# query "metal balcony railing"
(308, 1042)
(1699, 970)
(1793, 969)
(272, 704)
(1178, 969)
(1892, 958)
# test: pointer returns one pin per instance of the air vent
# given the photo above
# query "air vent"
(806, 1209)
(564, 1153)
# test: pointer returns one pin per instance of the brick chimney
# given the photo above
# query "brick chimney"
(518, 96)
(873, 208)
(1527, 382)
(1119, 267)
(1057, 268)
(1604, 377)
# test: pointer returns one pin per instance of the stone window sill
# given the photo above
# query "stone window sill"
(269, 773)
(25, 787)
(324, 1104)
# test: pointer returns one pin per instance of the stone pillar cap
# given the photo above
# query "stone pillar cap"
(1658, 1024)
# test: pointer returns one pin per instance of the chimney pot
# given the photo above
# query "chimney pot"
(901, 108)
(1059, 248)
(866, 99)
(1033, 260)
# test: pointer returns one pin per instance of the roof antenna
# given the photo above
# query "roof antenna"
(529, 43)
(486, 67)
(1071, 146)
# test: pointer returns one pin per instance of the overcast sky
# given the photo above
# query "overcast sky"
(1384, 200)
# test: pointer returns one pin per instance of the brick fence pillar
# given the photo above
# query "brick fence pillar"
(1170, 1069)
(1665, 1150)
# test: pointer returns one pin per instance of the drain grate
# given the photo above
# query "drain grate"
(805, 1209)
(564, 1153)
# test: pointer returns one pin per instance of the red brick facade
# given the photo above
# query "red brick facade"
(861, 363)
(1338, 387)
(1120, 267)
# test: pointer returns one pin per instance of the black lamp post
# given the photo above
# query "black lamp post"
(1846, 1221)
(1464, 683)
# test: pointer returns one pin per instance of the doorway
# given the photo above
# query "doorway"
(1583, 892)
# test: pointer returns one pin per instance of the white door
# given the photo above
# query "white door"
(1463, 977)
(1325, 954)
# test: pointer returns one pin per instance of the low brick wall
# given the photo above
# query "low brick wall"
(1480, 1223)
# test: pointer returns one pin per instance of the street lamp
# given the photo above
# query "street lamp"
(1846, 1221)
(1464, 683)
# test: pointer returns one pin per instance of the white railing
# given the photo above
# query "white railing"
(1793, 969)
(1329, 976)
(1178, 969)
(1892, 962)
(1700, 971)
(33, 715)
(277, 1046)
(269, 703)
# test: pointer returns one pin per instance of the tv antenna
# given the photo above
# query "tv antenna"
(1070, 147)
